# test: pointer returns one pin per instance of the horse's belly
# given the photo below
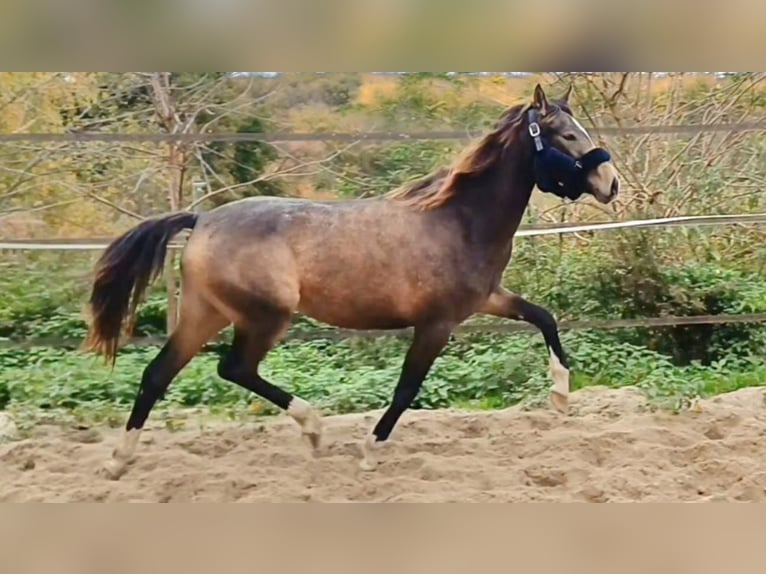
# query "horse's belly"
(352, 311)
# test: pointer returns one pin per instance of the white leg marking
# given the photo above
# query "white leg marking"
(560, 389)
(116, 466)
(304, 415)
(370, 453)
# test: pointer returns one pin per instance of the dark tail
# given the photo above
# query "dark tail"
(122, 274)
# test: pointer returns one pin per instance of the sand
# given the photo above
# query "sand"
(611, 448)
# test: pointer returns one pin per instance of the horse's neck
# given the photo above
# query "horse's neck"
(497, 204)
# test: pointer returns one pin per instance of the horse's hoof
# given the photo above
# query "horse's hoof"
(370, 449)
(560, 402)
(312, 430)
(368, 465)
(314, 439)
(113, 469)
(309, 421)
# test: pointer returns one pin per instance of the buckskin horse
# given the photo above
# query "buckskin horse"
(425, 256)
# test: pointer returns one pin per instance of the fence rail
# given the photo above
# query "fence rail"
(505, 327)
(352, 137)
(496, 328)
(86, 244)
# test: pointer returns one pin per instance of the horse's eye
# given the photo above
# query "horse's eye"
(569, 136)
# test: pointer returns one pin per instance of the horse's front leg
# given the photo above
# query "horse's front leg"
(427, 343)
(503, 303)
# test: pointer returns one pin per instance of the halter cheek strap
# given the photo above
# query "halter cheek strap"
(557, 172)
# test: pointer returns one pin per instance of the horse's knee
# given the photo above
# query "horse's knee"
(225, 369)
(230, 369)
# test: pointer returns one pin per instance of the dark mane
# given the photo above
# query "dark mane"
(437, 188)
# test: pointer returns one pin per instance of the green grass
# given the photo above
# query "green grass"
(478, 372)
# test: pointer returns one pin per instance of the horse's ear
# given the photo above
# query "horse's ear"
(540, 100)
(565, 97)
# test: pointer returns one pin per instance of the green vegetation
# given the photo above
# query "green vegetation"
(486, 372)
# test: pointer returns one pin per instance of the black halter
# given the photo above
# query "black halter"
(557, 172)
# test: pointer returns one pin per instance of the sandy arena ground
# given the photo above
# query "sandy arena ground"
(610, 448)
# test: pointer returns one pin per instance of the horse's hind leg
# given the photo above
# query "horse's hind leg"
(252, 341)
(197, 324)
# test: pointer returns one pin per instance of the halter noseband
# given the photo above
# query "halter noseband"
(557, 172)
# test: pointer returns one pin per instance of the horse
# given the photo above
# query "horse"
(427, 256)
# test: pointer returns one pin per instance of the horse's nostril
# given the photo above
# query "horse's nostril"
(615, 187)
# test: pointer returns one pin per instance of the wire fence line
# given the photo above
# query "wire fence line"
(90, 244)
(549, 229)
(277, 137)
(489, 328)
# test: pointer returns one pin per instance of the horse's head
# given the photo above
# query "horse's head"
(567, 162)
